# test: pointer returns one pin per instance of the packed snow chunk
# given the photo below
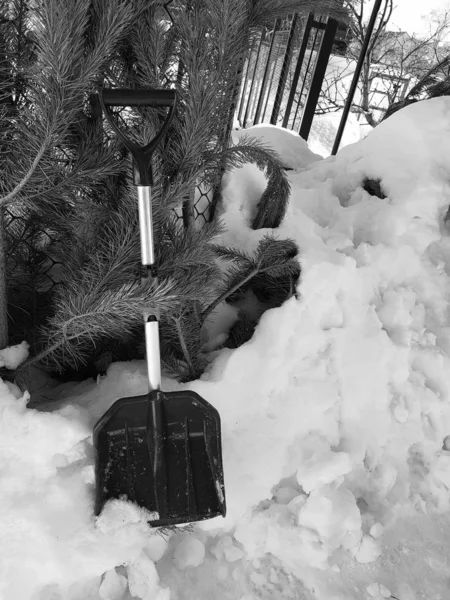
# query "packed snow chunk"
(227, 549)
(13, 356)
(189, 553)
(441, 469)
(233, 553)
(368, 551)
(117, 514)
(378, 591)
(376, 530)
(143, 580)
(284, 495)
(396, 309)
(291, 148)
(258, 579)
(335, 516)
(322, 469)
(156, 547)
(113, 586)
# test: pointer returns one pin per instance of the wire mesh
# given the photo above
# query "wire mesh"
(28, 251)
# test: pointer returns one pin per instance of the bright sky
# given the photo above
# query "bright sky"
(407, 14)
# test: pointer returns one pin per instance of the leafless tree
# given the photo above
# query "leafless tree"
(395, 61)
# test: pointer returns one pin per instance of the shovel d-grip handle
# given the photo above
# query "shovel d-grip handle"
(142, 155)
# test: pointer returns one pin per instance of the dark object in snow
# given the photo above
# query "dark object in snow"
(242, 331)
(160, 450)
(398, 106)
(373, 187)
(447, 215)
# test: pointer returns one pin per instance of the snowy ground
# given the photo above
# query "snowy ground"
(335, 416)
(324, 129)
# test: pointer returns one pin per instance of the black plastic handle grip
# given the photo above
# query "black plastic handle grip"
(142, 97)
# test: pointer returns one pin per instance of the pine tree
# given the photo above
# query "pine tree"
(65, 190)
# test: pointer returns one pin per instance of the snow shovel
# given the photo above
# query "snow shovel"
(162, 450)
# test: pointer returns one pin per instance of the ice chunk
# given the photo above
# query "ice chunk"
(233, 553)
(113, 586)
(143, 580)
(322, 469)
(156, 547)
(334, 515)
(368, 551)
(376, 530)
(189, 553)
(378, 591)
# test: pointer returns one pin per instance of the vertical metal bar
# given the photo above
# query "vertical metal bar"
(266, 74)
(311, 54)
(146, 225)
(318, 77)
(152, 349)
(284, 71)
(244, 85)
(245, 79)
(298, 68)
(269, 87)
(252, 86)
(356, 75)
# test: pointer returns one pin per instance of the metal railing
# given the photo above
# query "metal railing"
(285, 70)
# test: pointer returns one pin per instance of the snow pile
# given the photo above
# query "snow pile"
(13, 356)
(49, 539)
(335, 415)
(292, 149)
(324, 129)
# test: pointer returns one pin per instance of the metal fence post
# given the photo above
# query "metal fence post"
(284, 71)
(245, 79)
(252, 86)
(319, 27)
(356, 74)
(298, 68)
(266, 74)
(318, 77)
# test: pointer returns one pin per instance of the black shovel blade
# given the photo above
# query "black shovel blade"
(161, 451)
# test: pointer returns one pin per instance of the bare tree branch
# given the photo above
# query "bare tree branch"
(395, 60)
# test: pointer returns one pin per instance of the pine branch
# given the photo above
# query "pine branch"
(232, 254)
(238, 281)
(184, 347)
(26, 178)
(272, 206)
(273, 257)
(72, 334)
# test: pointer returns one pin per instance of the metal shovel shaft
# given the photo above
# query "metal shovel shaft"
(144, 193)
(152, 348)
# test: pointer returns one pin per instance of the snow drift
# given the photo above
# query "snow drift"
(335, 415)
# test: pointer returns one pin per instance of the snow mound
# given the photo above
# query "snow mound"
(292, 149)
(324, 129)
(335, 415)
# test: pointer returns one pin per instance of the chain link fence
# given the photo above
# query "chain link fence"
(280, 83)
